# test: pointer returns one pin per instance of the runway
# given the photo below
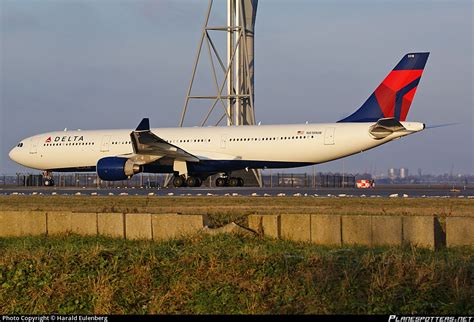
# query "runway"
(388, 191)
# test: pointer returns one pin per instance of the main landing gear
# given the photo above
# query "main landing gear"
(229, 182)
(48, 180)
(181, 181)
(192, 181)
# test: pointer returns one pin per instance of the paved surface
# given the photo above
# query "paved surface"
(386, 191)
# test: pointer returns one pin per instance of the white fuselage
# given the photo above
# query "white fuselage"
(299, 143)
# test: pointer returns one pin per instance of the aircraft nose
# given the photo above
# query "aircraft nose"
(13, 154)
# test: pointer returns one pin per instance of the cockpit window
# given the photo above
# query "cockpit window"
(20, 145)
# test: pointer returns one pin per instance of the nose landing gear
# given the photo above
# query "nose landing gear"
(48, 180)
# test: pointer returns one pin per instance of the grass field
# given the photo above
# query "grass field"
(229, 274)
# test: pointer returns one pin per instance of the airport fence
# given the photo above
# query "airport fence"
(304, 180)
(151, 181)
(88, 180)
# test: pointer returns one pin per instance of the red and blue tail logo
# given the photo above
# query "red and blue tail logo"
(394, 96)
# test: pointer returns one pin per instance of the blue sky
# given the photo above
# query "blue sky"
(107, 64)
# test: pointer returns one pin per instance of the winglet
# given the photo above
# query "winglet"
(144, 125)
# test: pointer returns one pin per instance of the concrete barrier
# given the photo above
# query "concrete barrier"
(84, 224)
(268, 225)
(386, 231)
(326, 230)
(419, 231)
(111, 225)
(68, 222)
(34, 223)
(422, 231)
(138, 226)
(22, 223)
(296, 227)
(10, 224)
(459, 231)
(169, 226)
(356, 230)
(58, 222)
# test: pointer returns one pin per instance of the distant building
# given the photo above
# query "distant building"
(397, 173)
(403, 173)
(393, 173)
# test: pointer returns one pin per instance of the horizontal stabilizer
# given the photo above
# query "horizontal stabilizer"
(384, 127)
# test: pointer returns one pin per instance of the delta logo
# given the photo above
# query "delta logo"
(72, 138)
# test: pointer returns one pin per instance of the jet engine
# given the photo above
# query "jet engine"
(116, 169)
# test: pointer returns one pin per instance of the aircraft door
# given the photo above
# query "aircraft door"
(223, 141)
(105, 145)
(329, 136)
(34, 145)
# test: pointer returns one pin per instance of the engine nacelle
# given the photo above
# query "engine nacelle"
(116, 169)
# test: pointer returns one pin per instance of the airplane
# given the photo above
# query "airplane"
(193, 154)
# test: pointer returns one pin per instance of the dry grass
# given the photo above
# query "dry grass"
(238, 206)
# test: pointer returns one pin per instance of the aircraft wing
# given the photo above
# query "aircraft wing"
(148, 146)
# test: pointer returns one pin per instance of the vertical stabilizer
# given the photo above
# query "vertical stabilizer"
(393, 97)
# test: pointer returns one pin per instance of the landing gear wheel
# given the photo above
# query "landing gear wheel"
(241, 182)
(233, 182)
(178, 181)
(198, 182)
(221, 182)
(191, 181)
(48, 182)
